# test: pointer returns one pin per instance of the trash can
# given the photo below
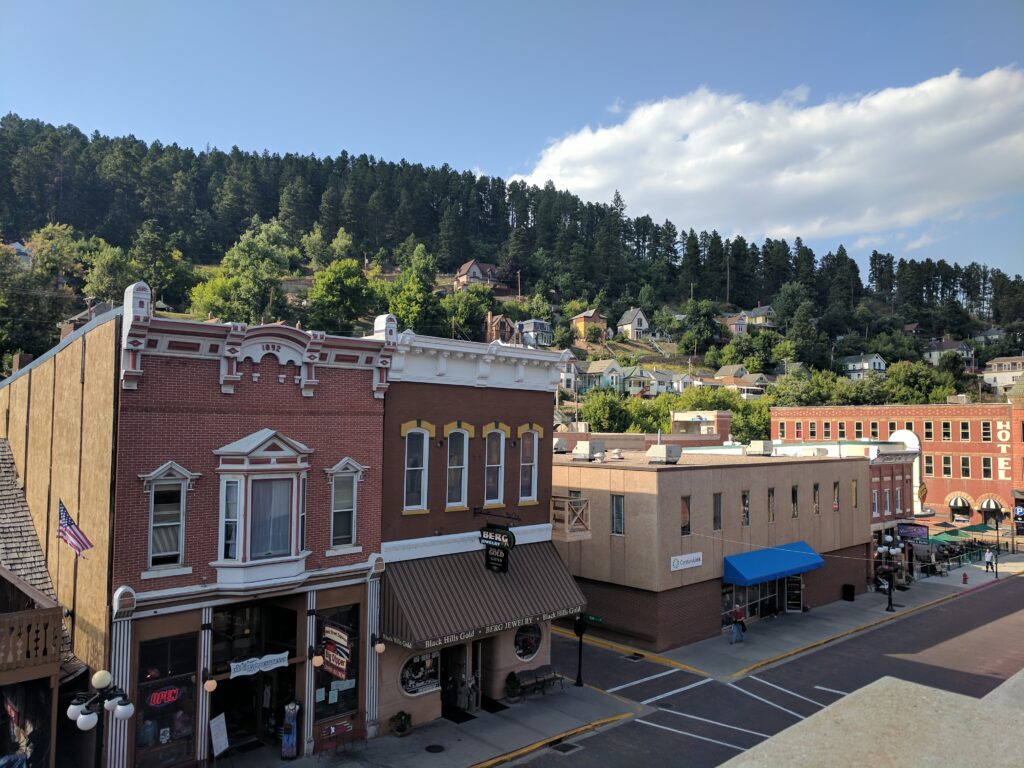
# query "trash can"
(848, 592)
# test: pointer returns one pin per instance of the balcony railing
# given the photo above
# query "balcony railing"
(570, 518)
(30, 638)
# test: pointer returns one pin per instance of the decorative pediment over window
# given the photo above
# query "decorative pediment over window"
(266, 448)
(348, 466)
(169, 472)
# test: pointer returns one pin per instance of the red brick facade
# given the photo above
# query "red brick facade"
(971, 451)
(437, 405)
(179, 413)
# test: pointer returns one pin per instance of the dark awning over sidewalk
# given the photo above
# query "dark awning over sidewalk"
(434, 601)
(772, 563)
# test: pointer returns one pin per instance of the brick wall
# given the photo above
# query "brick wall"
(851, 565)
(179, 413)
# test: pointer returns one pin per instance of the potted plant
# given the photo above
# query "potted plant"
(401, 723)
(513, 690)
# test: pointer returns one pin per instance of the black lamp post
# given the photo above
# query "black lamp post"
(86, 708)
(890, 549)
(995, 555)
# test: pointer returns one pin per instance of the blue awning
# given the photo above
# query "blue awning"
(773, 563)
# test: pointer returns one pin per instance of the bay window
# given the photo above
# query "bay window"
(271, 518)
(229, 504)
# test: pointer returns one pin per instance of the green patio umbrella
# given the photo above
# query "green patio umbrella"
(943, 525)
(977, 528)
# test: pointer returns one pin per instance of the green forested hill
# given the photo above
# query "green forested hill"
(157, 210)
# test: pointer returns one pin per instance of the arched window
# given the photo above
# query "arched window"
(416, 443)
(458, 462)
(528, 466)
(494, 472)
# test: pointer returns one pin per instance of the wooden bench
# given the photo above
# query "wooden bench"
(539, 679)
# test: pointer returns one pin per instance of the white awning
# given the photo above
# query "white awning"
(991, 504)
(959, 502)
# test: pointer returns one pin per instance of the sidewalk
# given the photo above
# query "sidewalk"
(789, 634)
(488, 739)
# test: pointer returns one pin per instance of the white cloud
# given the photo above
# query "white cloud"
(851, 166)
(868, 241)
(615, 107)
(922, 242)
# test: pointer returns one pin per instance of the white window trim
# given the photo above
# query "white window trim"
(529, 434)
(464, 491)
(168, 473)
(874, 503)
(347, 467)
(240, 507)
(425, 469)
(501, 469)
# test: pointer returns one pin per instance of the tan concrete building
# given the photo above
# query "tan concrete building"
(668, 540)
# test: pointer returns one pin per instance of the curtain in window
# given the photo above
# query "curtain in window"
(271, 517)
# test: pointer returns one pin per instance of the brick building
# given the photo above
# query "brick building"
(972, 454)
(467, 443)
(671, 547)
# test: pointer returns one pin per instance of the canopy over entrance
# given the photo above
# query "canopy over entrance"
(771, 563)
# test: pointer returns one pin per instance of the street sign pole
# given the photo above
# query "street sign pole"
(580, 628)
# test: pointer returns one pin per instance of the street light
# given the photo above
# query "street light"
(86, 709)
(890, 549)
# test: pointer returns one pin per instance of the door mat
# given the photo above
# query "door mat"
(490, 705)
(248, 746)
(456, 715)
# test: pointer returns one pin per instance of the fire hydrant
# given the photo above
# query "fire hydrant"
(965, 577)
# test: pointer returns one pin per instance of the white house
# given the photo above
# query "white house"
(1001, 373)
(856, 367)
(936, 349)
(535, 333)
(988, 336)
(633, 324)
(604, 374)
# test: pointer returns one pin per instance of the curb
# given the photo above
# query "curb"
(517, 753)
(628, 649)
(884, 620)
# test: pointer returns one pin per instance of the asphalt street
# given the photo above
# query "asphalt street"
(968, 645)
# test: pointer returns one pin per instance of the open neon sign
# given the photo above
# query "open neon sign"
(164, 696)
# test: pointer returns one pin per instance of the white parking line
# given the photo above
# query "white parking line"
(715, 722)
(786, 690)
(769, 703)
(677, 690)
(831, 690)
(693, 735)
(642, 680)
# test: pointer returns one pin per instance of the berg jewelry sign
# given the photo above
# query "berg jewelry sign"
(258, 664)
(498, 542)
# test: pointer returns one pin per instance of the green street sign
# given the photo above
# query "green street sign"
(593, 619)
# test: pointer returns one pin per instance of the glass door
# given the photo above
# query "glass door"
(794, 594)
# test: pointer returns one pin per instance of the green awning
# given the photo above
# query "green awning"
(943, 525)
(977, 528)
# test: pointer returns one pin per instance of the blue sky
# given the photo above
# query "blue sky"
(491, 86)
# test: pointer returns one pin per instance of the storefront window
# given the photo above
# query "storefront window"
(527, 642)
(421, 674)
(25, 724)
(242, 632)
(165, 731)
(336, 683)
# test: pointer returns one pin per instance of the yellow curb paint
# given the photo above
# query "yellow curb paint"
(515, 754)
(627, 649)
(765, 662)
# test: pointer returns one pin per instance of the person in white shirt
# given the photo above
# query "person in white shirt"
(988, 560)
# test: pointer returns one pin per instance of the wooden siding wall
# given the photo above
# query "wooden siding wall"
(59, 421)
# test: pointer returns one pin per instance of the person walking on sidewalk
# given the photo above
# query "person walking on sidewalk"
(988, 560)
(739, 626)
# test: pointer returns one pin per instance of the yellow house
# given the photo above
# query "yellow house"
(590, 318)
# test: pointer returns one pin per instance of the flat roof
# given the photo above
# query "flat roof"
(637, 460)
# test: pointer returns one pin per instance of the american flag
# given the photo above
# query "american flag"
(70, 533)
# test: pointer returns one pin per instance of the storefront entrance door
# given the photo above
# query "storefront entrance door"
(453, 677)
(794, 594)
(253, 705)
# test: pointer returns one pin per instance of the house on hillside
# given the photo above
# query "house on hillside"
(988, 336)
(567, 374)
(499, 328)
(912, 329)
(735, 324)
(633, 324)
(855, 367)
(937, 348)
(598, 374)
(591, 318)
(731, 370)
(475, 272)
(535, 333)
(762, 317)
(1001, 373)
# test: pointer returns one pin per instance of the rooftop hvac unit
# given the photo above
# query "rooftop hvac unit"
(760, 448)
(664, 454)
(587, 450)
(615, 453)
(560, 445)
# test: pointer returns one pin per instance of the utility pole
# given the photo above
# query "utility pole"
(519, 286)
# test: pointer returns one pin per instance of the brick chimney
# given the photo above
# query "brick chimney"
(19, 360)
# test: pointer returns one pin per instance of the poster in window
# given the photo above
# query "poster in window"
(421, 673)
(336, 650)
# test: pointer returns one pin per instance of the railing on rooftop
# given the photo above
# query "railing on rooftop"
(570, 518)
